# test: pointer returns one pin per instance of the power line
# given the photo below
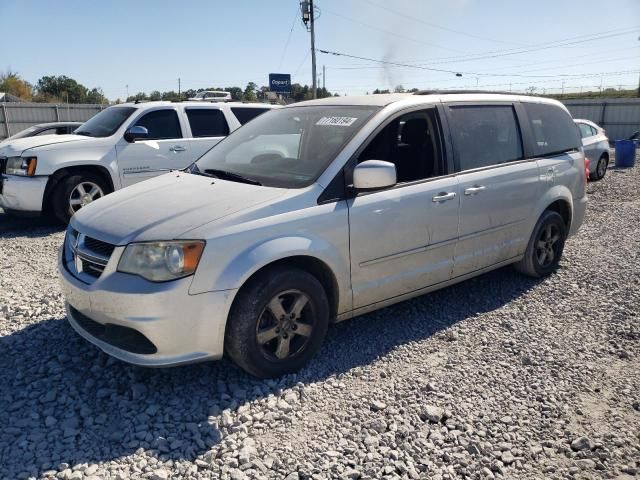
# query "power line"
(447, 29)
(542, 46)
(389, 32)
(302, 63)
(455, 72)
(286, 45)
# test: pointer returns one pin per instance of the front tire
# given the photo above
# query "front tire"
(545, 246)
(277, 323)
(76, 191)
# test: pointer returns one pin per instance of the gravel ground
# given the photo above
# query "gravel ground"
(498, 377)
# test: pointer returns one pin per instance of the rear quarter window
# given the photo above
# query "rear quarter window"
(554, 131)
(246, 114)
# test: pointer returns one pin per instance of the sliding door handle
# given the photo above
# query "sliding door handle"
(444, 196)
(474, 190)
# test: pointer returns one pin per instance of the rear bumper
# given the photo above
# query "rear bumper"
(123, 314)
(22, 194)
(579, 211)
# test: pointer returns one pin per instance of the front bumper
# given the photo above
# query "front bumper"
(23, 194)
(183, 328)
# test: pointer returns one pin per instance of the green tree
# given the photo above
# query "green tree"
(61, 88)
(155, 95)
(10, 82)
(250, 92)
(138, 96)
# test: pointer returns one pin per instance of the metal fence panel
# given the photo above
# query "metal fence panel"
(17, 116)
(620, 117)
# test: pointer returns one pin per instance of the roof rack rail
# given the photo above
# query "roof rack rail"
(453, 92)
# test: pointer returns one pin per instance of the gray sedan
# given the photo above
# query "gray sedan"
(596, 147)
(53, 128)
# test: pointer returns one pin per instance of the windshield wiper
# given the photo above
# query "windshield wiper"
(225, 175)
(83, 133)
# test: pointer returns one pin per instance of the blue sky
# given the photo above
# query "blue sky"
(149, 44)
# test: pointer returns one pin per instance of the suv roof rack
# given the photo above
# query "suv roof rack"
(453, 92)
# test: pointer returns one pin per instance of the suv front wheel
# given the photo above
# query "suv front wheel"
(76, 191)
(545, 246)
(277, 323)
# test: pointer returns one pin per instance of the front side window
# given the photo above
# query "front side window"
(412, 143)
(161, 124)
(207, 122)
(553, 128)
(288, 147)
(105, 123)
(485, 135)
(245, 114)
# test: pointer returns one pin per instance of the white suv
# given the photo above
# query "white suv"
(317, 212)
(119, 146)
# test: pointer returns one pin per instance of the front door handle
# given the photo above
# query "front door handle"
(444, 196)
(177, 148)
(474, 190)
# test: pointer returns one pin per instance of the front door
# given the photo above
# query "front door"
(403, 238)
(164, 149)
(498, 186)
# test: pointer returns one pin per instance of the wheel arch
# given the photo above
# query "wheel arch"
(307, 263)
(64, 172)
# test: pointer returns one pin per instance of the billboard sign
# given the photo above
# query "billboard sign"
(280, 82)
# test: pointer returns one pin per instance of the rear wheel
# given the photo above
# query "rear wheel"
(545, 246)
(601, 168)
(277, 323)
(76, 191)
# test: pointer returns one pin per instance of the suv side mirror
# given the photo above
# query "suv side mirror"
(374, 175)
(136, 133)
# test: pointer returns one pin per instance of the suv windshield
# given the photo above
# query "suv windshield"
(288, 148)
(105, 123)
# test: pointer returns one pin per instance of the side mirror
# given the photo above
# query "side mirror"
(374, 175)
(136, 133)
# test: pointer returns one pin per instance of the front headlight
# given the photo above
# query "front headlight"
(25, 166)
(161, 261)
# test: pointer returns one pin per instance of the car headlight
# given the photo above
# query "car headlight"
(25, 166)
(161, 261)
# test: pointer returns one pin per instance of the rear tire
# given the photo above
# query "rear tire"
(545, 246)
(601, 168)
(74, 192)
(277, 323)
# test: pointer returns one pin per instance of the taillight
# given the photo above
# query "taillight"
(586, 168)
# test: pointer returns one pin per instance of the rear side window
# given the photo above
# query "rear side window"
(207, 122)
(485, 135)
(161, 124)
(587, 130)
(245, 114)
(554, 131)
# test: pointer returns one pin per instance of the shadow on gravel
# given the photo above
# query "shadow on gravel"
(63, 400)
(11, 227)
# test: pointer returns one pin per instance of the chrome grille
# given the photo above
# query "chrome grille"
(88, 256)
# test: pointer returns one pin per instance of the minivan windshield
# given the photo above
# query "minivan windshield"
(287, 148)
(105, 123)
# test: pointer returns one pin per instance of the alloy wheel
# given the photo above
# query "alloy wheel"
(285, 326)
(83, 194)
(547, 245)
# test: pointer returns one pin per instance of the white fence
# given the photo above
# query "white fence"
(16, 116)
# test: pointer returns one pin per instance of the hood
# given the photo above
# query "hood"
(16, 147)
(167, 206)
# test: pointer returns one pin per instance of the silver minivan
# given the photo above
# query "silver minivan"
(318, 212)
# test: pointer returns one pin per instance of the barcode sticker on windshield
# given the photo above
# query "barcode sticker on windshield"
(338, 121)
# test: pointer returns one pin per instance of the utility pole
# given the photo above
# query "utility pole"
(127, 85)
(179, 88)
(324, 78)
(306, 6)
